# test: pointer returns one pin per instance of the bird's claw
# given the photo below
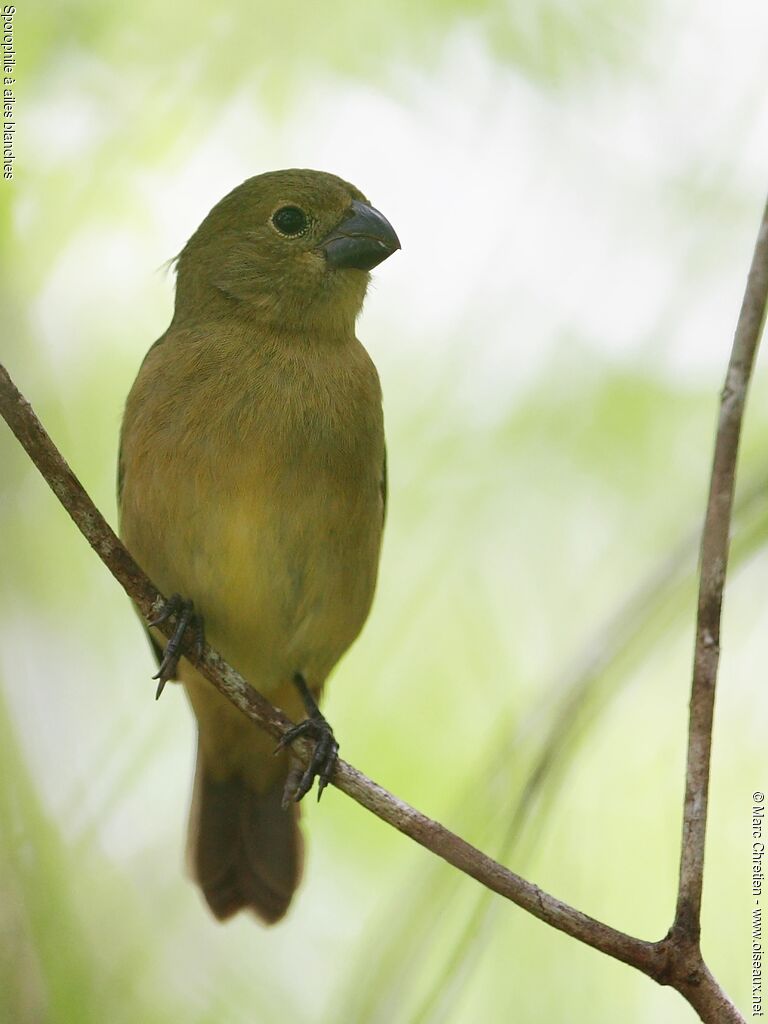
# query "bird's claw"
(184, 610)
(324, 756)
(326, 752)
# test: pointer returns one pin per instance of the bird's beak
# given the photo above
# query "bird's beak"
(361, 240)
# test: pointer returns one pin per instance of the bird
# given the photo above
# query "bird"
(252, 489)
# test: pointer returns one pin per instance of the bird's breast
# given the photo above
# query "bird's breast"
(260, 498)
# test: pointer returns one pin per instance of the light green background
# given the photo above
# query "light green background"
(577, 187)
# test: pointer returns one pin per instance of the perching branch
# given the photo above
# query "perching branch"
(30, 432)
(674, 960)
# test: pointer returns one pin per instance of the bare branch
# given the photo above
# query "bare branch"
(30, 432)
(675, 960)
(714, 561)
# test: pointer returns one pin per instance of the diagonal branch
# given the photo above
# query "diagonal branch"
(714, 561)
(70, 492)
(675, 960)
(656, 959)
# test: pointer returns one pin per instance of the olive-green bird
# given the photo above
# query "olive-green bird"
(252, 485)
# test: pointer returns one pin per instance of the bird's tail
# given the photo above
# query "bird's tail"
(244, 849)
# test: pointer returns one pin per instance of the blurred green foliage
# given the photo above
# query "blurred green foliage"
(524, 674)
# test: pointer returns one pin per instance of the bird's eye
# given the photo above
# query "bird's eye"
(290, 221)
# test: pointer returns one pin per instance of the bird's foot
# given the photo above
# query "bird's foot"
(326, 752)
(184, 610)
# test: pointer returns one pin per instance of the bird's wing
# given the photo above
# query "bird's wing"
(157, 649)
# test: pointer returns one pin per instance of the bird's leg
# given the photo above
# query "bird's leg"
(326, 751)
(184, 610)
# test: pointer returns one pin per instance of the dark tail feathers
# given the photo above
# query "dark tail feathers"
(245, 851)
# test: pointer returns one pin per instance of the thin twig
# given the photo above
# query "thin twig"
(676, 959)
(714, 561)
(30, 432)
(656, 959)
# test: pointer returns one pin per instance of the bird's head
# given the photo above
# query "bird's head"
(291, 249)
